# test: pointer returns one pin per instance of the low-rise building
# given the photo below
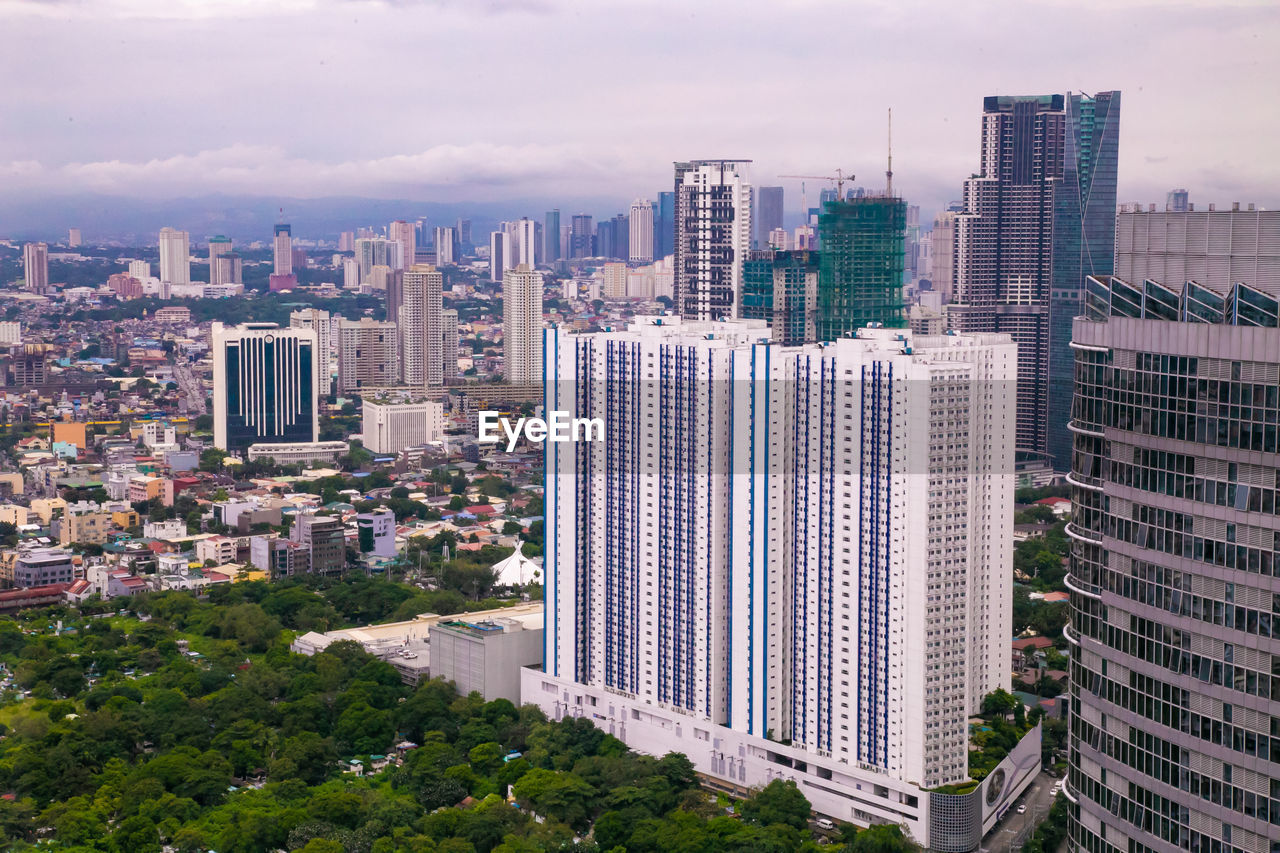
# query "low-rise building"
(84, 527)
(376, 532)
(486, 656)
(174, 528)
(219, 549)
(391, 425)
(325, 537)
(43, 566)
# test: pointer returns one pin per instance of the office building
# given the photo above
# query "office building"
(768, 216)
(228, 269)
(1177, 201)
(43, 566)
(418, 319)
(640, 243)
(141, 270)
(712, 236)
(449, 343)
(325, 538)
(406, 236)
(368, 354)
(322, 324)
(943, 243)
(1214, 248)
(373, 252)
(351, 273)
(175, 256)
(551, 238)
(219, 246)
(264, 386)
(11, 332)
(376, 532)
(465, 245)
(621, 236)
(347, 241)
(446, 242)
(522, 325)
(1003, 264)
(861, 265)
(499, 254)
(580, 236)
(1173, 740)
(35, 267)
(393, 424)
(74, 239)
(664, 233)
(282, 250)
(525, 245)
(1084, 238)
(798, 565)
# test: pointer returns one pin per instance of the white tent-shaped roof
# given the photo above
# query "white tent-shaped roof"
(517, 570)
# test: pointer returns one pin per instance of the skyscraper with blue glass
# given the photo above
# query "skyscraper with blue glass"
(1084, 236)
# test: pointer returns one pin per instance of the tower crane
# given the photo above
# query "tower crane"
(839, 178)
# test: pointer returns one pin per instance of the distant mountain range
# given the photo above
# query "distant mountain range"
(134, 222)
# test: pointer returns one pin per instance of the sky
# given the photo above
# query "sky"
(482, 100)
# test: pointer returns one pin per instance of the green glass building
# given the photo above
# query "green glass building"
(861, 265)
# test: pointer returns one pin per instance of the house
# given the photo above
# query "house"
(1060, 506)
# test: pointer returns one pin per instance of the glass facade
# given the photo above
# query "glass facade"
(1174, 728)
(1084, 237)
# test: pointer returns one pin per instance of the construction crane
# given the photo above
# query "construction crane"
(840, 177)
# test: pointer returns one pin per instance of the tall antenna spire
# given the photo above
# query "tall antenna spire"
(888, 173)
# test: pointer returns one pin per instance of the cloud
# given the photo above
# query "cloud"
(483, 169)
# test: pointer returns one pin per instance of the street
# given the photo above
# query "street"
(192, 389)
(1015, 829)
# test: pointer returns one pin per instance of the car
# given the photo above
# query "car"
(824, 823)
(1022, 809)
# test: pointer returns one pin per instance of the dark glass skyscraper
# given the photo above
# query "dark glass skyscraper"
(664, 225)
(1084, 238)
(860, 266)
(768, 213)
(1004, 245)
(551, 238)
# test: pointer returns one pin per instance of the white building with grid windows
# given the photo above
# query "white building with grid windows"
(777, 545)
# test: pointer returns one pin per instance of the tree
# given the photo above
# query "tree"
(560, 795)
(778, 802)
(999, 703)
(881, 838)
(211, 459)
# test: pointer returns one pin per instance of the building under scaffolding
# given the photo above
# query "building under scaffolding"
(860, 272)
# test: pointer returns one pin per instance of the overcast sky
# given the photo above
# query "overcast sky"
(457, 100)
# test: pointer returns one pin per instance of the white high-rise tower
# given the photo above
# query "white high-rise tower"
(797, 565)
(641, 242)
(175, 256)
(522, 325)
(419, 322)
(712, 236)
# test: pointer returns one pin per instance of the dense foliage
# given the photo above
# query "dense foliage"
(190, 724)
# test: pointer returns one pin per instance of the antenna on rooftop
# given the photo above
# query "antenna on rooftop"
(888, 173)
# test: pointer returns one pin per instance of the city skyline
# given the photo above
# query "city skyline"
(272, 152)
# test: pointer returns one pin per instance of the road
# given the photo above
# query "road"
(191, 388)
(1016, 828)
